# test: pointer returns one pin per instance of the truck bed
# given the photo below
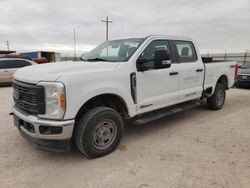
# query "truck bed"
(214, 69)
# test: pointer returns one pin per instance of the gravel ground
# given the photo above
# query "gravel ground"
(195, 148)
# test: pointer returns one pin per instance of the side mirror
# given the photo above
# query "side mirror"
(162, 59)
(140, 65)
(239, 67)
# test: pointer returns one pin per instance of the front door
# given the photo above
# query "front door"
(156, 87)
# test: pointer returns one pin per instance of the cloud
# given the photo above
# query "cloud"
(48, 24)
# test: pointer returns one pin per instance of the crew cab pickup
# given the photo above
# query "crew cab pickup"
(87, 101)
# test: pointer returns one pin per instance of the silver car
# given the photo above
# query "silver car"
(244, 75)
(8, 66)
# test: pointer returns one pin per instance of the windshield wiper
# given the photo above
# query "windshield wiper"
(96, 59)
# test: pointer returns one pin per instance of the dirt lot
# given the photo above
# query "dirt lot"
(195, 148)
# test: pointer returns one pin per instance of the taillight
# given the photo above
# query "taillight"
(236, 67)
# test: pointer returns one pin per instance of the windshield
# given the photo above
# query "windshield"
(246, 66)
(114, 51)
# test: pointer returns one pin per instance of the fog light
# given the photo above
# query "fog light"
(48, 130)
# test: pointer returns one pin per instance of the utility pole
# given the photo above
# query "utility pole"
(107, 21)
(8, 45)
(245, 57)
(75, 44)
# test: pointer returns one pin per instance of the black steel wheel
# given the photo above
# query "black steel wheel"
(217, 100)
(98, 132)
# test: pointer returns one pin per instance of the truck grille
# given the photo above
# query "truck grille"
(29, 97)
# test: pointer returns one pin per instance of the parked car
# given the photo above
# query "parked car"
(243, 75)
(41, 60)
(8, 66)
(87, 101)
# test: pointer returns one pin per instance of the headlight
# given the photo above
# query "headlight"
(55, 100)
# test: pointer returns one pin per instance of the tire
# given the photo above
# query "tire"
(217, 100)
(98, 132)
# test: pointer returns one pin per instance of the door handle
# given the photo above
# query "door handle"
(199, 70)
(6, 71)
(173, 73)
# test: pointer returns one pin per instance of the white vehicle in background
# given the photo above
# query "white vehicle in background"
(87, 101)
(8, 66)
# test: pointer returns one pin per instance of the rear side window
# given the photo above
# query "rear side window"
(20, 63)
(185, 51)
(10, 64)
(5, 64)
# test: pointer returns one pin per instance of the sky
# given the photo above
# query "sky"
(32, 25)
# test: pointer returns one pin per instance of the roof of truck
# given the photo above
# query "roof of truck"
(169, 36)
(159, 37)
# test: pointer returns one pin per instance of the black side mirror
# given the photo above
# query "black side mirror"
(239, 67)
(140, 64)
(162, 59)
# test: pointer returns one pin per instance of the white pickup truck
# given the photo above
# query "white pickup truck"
(87, 101)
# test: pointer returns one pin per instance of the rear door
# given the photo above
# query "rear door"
(191, 71)
(5, 71)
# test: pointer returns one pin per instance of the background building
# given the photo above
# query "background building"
(5, 52)
(239, 57)
(50, 56)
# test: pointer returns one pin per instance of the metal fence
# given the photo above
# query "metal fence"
(239, 57)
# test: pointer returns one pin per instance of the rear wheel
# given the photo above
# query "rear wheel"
(98, 132)
(217, 100)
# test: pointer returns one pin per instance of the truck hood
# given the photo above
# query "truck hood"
(244, 71)
(53, 71)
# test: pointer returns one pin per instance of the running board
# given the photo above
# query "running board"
(155, 115)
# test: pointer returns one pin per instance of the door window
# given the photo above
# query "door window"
(10, 64)
(148, 54)
(20, 63)
(185, 51)
(5, 64)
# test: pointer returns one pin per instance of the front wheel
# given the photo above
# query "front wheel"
(98, 132)
(217, 100)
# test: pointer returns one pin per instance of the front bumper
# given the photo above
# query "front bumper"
(44, 134)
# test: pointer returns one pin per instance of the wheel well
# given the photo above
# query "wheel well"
(223, 80)
(109, 100)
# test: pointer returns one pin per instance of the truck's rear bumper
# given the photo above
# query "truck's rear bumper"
(44, 134)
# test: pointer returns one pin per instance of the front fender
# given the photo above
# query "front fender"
(79, 98)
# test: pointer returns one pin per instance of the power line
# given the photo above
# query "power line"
(174, 7)
(198, 21)
(171, 7)
(107, 21)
